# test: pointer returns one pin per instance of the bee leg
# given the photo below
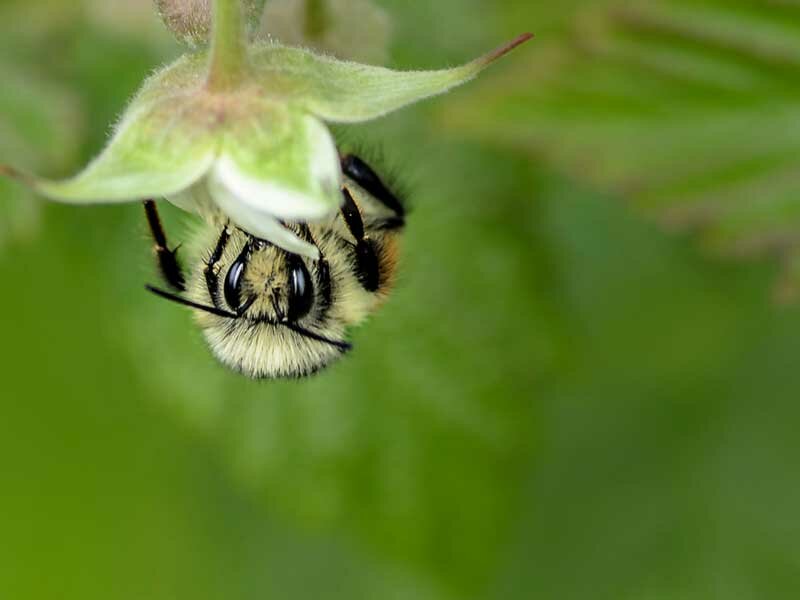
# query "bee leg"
(360, 172)
(368, 268)
(167, 259)
(322, 271)
(210, 271)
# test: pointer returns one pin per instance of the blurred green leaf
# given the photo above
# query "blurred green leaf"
(355, 30)
(664, 466)
(558, 402)
(40, 128)
(689, 108)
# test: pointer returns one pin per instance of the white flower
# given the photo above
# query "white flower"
(254, 150)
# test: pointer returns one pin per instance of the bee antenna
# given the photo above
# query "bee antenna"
(183, 301)
(344, 346)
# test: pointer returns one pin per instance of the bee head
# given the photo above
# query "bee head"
(273, 310)
(265, 283)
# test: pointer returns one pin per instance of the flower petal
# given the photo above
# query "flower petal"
(256, 222)
(346, 92)
(161, 146)
(282, 163)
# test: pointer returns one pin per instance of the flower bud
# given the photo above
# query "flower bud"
(190, 20)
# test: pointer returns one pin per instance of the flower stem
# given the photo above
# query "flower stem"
(228, 52)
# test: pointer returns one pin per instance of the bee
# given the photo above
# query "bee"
(268, 313)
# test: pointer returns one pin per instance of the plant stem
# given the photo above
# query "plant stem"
(316, 19)
(228, 52)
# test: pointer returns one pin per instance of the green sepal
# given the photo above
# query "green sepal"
(346, 92)
(161, 146)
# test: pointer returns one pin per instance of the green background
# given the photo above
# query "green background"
(562, 400)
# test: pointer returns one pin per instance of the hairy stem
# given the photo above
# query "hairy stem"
(228, 53)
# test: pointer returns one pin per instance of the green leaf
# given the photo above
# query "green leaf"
(346, 92)
(688, 108)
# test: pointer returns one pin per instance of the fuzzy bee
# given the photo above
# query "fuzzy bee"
(268, 313)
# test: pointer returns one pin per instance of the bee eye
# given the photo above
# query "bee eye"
(233, 284)
(301, 289)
